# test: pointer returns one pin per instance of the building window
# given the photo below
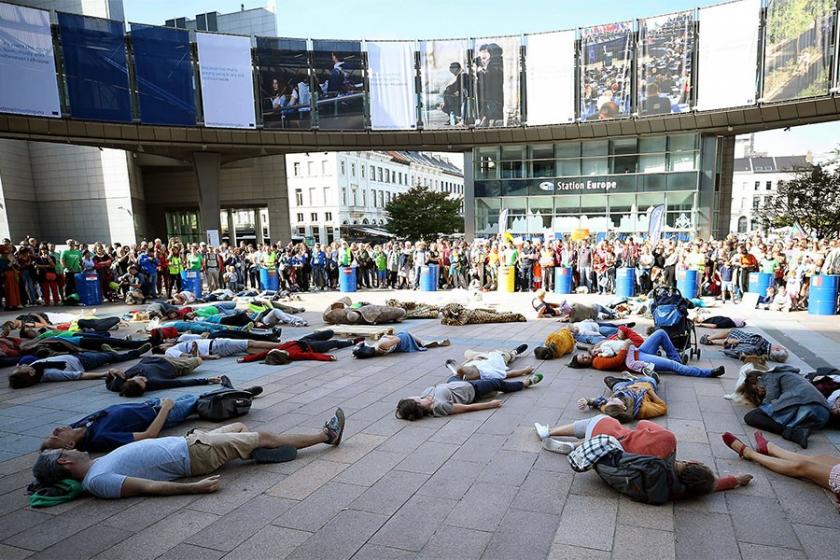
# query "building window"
(327, 216)
(768, 185)
(301, 231)
(372, 173)
(756, 202)
(309, 172)
(379, 174)
(381, 199)
(314, 217)
(296, 169)
(742, 224)
(299, 197)
(300, 217)
(312, 197)
(326, 195)
(341, 167)
(362, 170)
(343, 196)
(352, 169)
(757, 185)
(325, 168)
(354, 197)
(364, 198)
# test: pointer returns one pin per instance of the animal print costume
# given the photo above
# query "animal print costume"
(458, 315)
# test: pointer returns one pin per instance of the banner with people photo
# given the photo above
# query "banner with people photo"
(496, 72)
(799, 44)
(227, 85)
(391, 75)
(28, 84)
(727, 64)
(550, 78)
(164, 74)
(447, 85)
(606, 57)
(95, 68)
(285, 94)
(666, 53)
(339, 71)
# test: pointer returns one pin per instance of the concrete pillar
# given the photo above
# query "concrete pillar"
(715, 201)
(208, 172)
(469, 197)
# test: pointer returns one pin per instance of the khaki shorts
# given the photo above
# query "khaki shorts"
(210, 450)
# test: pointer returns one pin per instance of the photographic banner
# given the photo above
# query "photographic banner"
(285, 94)
(799, 48)
(728, 51)
(339, 71)
(28, 83)
(496, 62)
(164, 73)
(227, 85)
(607, 53)
(550, 77)
(391, 75)
(666, 51)
(446, 82)
(95, 68)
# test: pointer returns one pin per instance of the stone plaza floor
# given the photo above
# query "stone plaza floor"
(476, 485)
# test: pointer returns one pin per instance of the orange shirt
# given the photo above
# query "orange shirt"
(647, 438)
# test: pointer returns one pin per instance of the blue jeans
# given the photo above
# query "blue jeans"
(183, 409)
(673, 362)
(812, 416)
(150, 284)
(93, 360)
(197, 327)
(319, 276)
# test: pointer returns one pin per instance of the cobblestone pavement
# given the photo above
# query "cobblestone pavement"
(468, 486)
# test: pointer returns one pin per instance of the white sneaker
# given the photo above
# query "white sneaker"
(648, 369)
(542, 430)
(558, 446)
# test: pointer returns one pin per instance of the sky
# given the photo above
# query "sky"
(430, 19)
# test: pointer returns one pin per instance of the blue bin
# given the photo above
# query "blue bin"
(347, 278)
(429, 278)
(822, 295)
(759, 282)
(687, 283)
(191, 282)
(269, 279)
(87, 286)
(562, 280)
(625, 282)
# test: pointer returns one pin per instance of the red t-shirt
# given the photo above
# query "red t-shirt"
(296, 350)
(647, 438)
(629, 334)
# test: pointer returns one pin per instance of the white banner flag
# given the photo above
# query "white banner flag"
(227, 85)
(28, 84)
(550, 75)
(391, 75)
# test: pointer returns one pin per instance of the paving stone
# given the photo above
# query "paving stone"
(587, 521)
(806, 504)
(452, 480)
(241, 482)
(227, 532)
(412, 526)
(751, 551)
(269, 543)
(148, 511)
(20, 520)
(319, 507)
(560, 551)
(303, 482)
(480, 448)
(543, 492)
(455, 542)
(13, 553)
(341, 537)
(636, 514)
(704, 535)
(390, 492)
(427, 458)
(407, 440)
(523, 534)
(191, 552)
(508, 467)
(482, 507)
(759, 520)
(157, 539)
(55, 530)
(818, 542)
(456, 431)
(354, 448)
(635, 543)
(379, 552)
(82, 545)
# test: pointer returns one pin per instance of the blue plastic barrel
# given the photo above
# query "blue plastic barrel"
(269, 279)
(191, 281)
(822, 295)
(428, 278)
(687, 283)
(759, 282)
(563, 280)
(87, 286)
(625, 282)
(347, 278)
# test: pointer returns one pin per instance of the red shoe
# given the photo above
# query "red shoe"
(729, 439)
(761, 443)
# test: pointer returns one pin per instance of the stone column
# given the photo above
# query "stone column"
(469, 197)
(208, 172)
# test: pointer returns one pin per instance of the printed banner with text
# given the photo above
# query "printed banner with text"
(393, 103)
(227, 85)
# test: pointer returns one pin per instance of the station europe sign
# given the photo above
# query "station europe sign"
(557, 186)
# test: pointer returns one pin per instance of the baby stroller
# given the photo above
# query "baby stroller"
(670, 313)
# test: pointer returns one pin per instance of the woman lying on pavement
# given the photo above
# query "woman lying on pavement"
(489, 365)
(212, 348)
(738, 343)
(310, 347)
(403, 341)
(631, 398)
(159, 335)
(593, 332)
(70, 367)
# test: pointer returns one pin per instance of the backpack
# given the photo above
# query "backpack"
(642, 478)
(224, 405)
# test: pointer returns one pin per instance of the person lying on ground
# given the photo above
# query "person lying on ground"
(87, 324)
(151, 467)
(70, 367)
(716, 321)
(593, 332)
(556, 345)
(310, 347)
(38, 320)
(827, 382)
(75, 342)
(155, 373)
(544, 308)
(647, 352)
(211, 348)
(455, 314)
(457, 396)
(159, 335)
(270, 318)
(786, 403)
(648, 439)
(631, 398)
(823, 470)
(576, 312)
(489, 365)
(199, 327)
(120, 424)
(345, 312)
(184, 297)
(738, 343)
(401, 342)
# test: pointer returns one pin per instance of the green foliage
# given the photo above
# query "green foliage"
(787, 19)
(422, 214)
(812, 200)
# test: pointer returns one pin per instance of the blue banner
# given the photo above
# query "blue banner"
(95, 67)
(655, 222)
(164, 73)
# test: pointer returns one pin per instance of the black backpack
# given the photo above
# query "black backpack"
(224, 405)
(641, 478)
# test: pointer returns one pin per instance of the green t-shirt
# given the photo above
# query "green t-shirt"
(72, 260)
(207, 311)
(195, 262)
(769, 266)
(381, 261)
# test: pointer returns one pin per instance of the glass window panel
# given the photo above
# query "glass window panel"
(596, 148)
(514, 188)
(567, 204)
(567, 150)
(542, 160)
(682, 142)
(680, 201)
(682, 181)
(488, 189)
(540, 210)
(487, 215)
(621, 202)
(624, 164)
(568, 167)
(679, 220)
(654, 182)
(653, 144)
(648, 200)
(595, 166)
(653, 163)
(517, 221)
(486, 163)
(593, 204)
(623, 146)
(683, 161)
(513, 162)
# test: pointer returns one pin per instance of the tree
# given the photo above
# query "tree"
(812, 200)
(420, 213)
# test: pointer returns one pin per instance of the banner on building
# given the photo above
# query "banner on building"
(164, 73)
(666, 53)
(497, 101)
(503, 218)
(606, 57)
(339, 70)
(550, 78)
(95, 68)
(227, 85)
(28, 83)
(285, 91)
(446, 82)
(727, 64)
(798, 49)
(391, 75)
(655, 222)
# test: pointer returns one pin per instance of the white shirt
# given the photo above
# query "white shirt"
(492, 367)
(186, 346)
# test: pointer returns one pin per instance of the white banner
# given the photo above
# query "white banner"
(391, 75)
(227, 85)
(550, 75)
(28, 83)
(728, 62)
